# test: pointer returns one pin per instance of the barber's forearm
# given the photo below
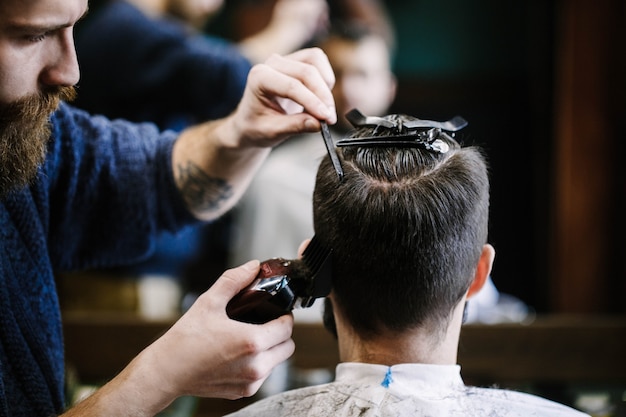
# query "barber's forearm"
(214, 162)
(212, 169)
(135, 392)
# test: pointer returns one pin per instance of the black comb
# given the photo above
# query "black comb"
(283, 285)
(330, 147)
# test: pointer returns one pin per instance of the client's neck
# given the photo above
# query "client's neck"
(391, 348)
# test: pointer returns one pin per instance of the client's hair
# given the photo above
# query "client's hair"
(406, 226)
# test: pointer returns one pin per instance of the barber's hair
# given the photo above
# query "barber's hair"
(406, 226)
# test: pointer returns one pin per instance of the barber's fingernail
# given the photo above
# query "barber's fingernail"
(326, 112)
(332, 115)
(311, 124)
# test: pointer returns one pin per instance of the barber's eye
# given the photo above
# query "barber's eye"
(36, 37)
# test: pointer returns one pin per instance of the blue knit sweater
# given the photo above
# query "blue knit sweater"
(102, 194)
(140, 68)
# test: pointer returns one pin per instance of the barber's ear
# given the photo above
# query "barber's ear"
(302, 247)
(483, 269)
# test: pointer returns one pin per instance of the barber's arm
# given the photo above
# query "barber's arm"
(206, 353)
(214, 162)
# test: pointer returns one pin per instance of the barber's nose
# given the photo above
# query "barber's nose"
(62, 69)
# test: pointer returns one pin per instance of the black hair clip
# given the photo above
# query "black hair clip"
(406, 131)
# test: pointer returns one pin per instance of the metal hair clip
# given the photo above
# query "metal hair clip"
(408, 132)
(357, 119)
(404, 131)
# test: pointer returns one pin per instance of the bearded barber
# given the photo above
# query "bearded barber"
(78, 191)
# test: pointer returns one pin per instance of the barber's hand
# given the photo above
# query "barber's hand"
(284, 96)
(214, 162)
(204, 354)
(207, 354)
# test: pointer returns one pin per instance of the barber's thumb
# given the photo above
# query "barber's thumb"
(236, 279)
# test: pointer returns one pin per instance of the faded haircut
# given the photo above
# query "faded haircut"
(406, 226)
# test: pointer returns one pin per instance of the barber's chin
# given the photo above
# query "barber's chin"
(13, 181)
(21, 176)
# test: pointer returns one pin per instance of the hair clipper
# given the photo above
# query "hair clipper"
(284, 284)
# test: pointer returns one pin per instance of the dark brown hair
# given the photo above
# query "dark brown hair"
(407, 226)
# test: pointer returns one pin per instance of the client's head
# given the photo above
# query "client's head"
(407, 226)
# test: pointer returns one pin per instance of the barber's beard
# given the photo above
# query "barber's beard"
(24, 134)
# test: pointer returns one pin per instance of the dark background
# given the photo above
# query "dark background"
(541, 83)
(491, 62)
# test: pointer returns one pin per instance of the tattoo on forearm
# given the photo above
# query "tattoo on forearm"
(201, 191)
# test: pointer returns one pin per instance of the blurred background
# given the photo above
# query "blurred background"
(543, 86)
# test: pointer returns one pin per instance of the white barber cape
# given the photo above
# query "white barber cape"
(366, 390)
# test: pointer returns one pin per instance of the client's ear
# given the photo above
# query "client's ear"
(483, 269)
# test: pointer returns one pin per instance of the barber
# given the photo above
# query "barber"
(81, 191)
